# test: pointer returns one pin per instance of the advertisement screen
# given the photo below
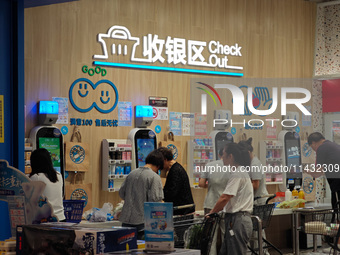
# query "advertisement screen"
(293, 153)
(53, 146)
(144, 147)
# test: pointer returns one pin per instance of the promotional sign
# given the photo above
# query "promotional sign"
(159, 229)
(124, 114)
(176, 123)
(63, 109)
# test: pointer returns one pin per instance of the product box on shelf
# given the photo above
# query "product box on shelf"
(72, 239)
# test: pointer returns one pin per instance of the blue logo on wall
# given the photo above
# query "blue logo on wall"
(104, 93)
(174, 150)
(77, 154)
(80, 194)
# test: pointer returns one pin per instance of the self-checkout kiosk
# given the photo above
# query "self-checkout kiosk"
(142, 139)
(47, 136)
(291, 157)
(219, 135)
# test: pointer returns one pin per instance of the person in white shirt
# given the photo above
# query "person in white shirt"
(258, 180)
(216, 181)
(42, 170)
(236, 201)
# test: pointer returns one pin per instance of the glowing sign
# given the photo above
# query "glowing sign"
(144, 111)
(175, 51)
(48, 107)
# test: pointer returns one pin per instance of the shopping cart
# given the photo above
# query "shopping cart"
(261, 219)
(200, 235)
(323, 222)
(181, 224)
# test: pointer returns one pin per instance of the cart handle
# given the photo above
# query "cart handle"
(269, 197)
(183, 206)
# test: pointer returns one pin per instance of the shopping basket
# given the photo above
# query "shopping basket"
(73, 210)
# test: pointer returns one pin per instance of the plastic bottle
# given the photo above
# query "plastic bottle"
(295, 193)
(301, 196)
(288, 195)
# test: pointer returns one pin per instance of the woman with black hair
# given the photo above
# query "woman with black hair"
(42, 170)
(236, 201)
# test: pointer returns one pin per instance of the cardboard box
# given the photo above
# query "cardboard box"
(72, 239)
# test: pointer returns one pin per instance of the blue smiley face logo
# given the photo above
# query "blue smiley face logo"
(80, 91)
(104, 95)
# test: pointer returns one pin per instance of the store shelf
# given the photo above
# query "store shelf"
(119, 149)
(116, 163)
(198, 156)
(113, 189)
(274, 159)
(119, 162)
(273, 183)
(201, 147)
(118, 176)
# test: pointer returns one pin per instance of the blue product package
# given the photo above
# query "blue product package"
(127, 169)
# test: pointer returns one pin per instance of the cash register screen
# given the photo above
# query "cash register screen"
(144, 147)
(293, 156)
(53, 147)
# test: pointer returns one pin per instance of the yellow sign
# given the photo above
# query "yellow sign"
(2, 127)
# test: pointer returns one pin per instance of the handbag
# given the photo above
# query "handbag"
(175, 146)
(79, 191)
(77, 154)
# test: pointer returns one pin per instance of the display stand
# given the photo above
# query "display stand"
(271, 152)
(116, 163)
(200, 152)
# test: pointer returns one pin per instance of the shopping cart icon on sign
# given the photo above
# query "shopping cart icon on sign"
(121, 44)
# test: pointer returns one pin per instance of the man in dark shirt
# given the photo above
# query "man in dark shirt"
(177, 186)
(327, 161)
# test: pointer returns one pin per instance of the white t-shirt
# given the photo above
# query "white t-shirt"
(256, 173)
(240, 187)
(217, 181)
(53, 192)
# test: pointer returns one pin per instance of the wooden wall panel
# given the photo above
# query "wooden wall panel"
(277, 39)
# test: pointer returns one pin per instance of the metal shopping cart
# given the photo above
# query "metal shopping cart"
(261, 219)
(200, 235)
(181, 224)
(323, 222)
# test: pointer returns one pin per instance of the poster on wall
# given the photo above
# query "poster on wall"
(271, 131)
(2, 128)
(307, 119)
(188, 123)
(176, 123)
(160, 113)
(124, 114)
(63, 109)
(200, 124)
